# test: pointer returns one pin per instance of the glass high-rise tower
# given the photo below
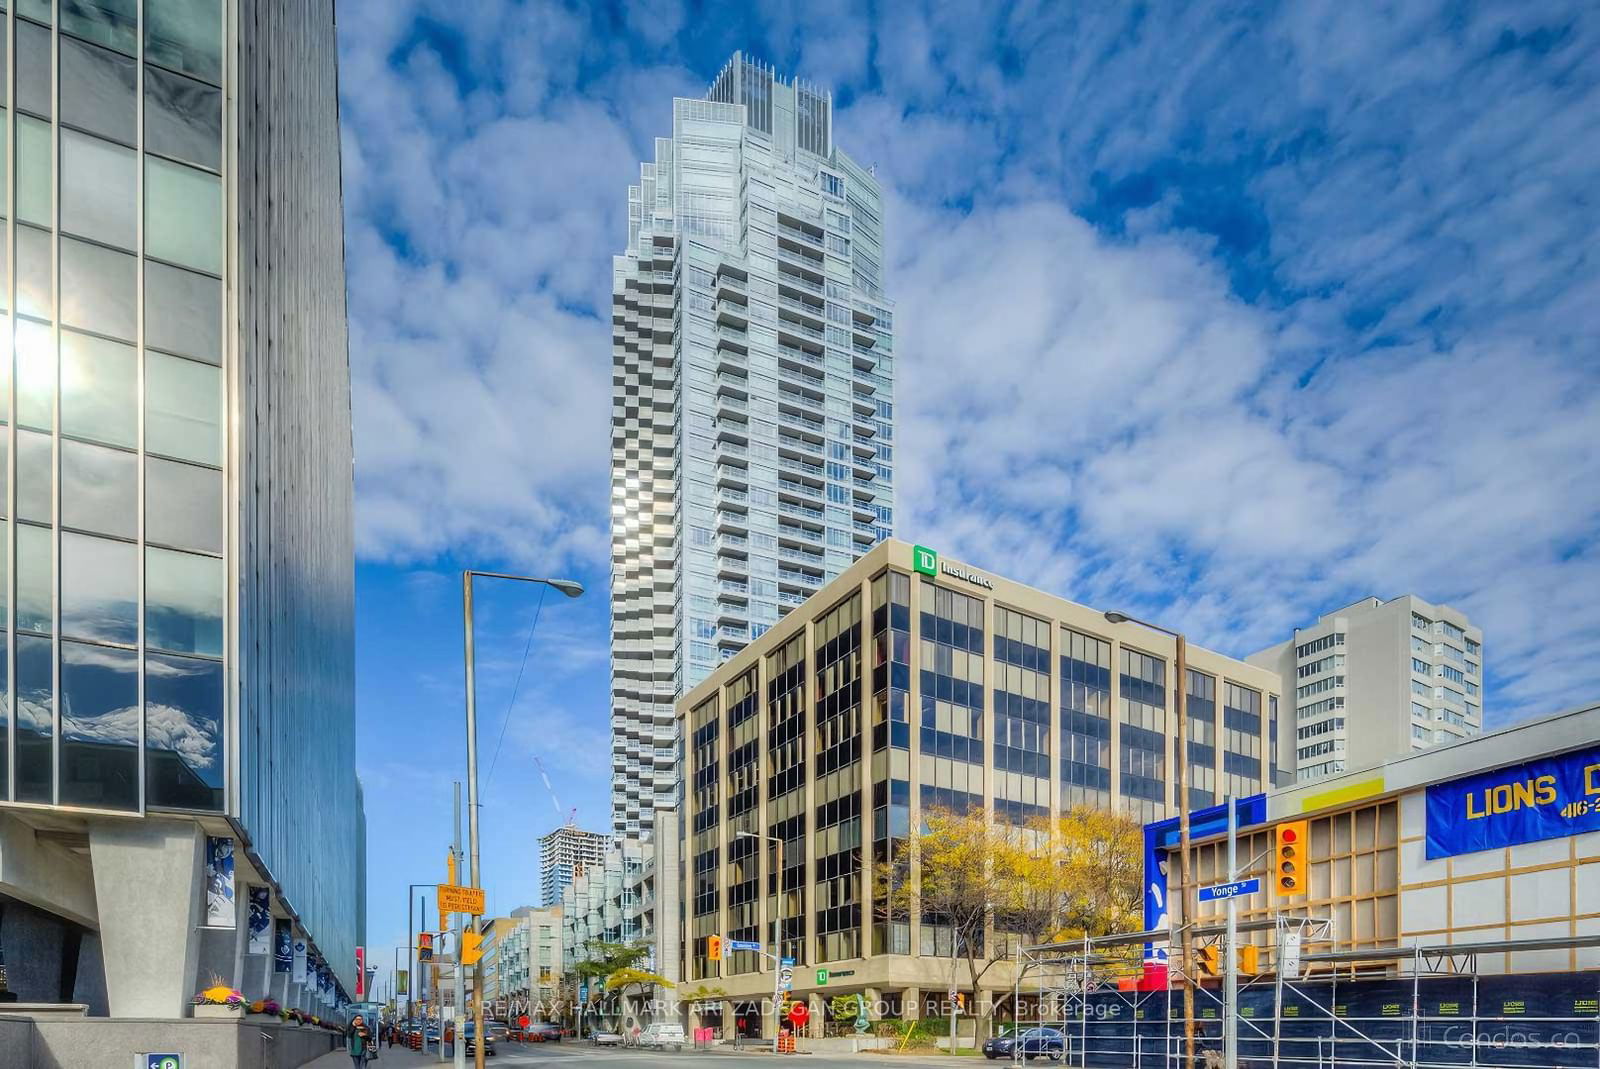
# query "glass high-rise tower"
(178, 569)
(752, 413)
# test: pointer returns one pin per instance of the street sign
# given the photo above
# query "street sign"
(1223, 891)
(163, 1061)
(822, 977)
(743, 944)
(786, 961)
(460, 900)
(785, 978)
(471, 948)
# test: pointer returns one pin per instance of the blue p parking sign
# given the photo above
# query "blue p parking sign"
(163, 1061)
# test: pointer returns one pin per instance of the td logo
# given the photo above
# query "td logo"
(924, 560)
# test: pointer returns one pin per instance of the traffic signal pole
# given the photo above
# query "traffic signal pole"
(777, 959)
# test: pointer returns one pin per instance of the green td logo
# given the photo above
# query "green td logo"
(924, 560)
(822, 977)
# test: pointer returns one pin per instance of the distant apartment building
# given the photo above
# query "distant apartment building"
(563, 855)
(1377, 680)
(630, 897)
(907, 683)
(752, 408)
(529, 962)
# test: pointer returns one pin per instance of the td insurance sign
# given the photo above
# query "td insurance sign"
(1546, 799)
(927, 562)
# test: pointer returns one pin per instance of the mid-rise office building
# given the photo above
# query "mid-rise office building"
(912, 682)
(563, 856)
(177, 740)
(752, 410)
(1376, 680)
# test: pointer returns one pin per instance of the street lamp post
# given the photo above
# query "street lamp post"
(1186, 937)
(411, 941)
(571, 588)
(777, 935)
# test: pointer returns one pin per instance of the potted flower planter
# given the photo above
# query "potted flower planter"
(213, 1011)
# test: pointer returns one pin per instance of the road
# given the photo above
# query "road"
(580, 1055)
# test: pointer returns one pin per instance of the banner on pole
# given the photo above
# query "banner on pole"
(283, 947)
(219, 883)
(361, 972)
(299, 974)
(260, 920)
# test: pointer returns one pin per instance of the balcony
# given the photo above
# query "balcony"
(730, 338)
(729, 568)
(863, 406)
(732, 522)
(794, 355)
(731, 314)
(735, 499)
(793, 554)
(798, 329)
(794, 486)
(800, 233)
(729, 287)
(731, 449)
(786, 597)
(728, 475)
(863, 316)
(790, 509)
(812, 310)
(788, 414)
(731, 360)
(734, 385)
(795, 443)
(729, 588)
(785, 278)
(733, 432)
(863, 359)
(795, 577)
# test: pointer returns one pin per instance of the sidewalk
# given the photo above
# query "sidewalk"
(398, 1058)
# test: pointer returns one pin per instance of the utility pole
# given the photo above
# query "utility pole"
(460, 988)
(777, 961)
(1230, 1033)
(1186, 931)
(1189, 903)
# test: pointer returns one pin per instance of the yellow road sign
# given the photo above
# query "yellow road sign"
(471, 948)
(461, 900)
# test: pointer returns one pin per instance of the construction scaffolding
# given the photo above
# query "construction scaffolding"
(1413, 1006)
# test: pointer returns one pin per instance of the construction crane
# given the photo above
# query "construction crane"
(572, 814)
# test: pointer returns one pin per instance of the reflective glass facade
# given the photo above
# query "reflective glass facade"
(753, 414)
(178, 565)
(117, 621)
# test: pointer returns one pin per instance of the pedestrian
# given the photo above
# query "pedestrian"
(358, 1041)
(394, 1027)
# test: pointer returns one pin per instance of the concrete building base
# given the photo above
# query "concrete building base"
(148, 888)
(100, 1043)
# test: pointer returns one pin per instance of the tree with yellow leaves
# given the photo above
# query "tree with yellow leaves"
(1051, 879)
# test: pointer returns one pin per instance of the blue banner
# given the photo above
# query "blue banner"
(1546, 799)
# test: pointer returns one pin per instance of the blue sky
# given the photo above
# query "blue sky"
(1225, 313)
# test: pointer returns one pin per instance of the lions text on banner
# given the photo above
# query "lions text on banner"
(1546, 799)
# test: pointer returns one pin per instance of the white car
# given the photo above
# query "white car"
(605, 1039)
(662, 1036)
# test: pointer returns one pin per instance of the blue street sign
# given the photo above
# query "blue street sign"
(787, 962)
(744, 944)
(1222, 891)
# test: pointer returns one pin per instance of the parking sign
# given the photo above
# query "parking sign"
(163, 1061)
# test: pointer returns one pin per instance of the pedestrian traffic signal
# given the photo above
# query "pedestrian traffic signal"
(714, 947)
(425, 946)
(471, 948)
(1210, 959)
(1289, 859)
(1249, 959)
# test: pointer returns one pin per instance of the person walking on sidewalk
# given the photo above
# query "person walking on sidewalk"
(358, 1041)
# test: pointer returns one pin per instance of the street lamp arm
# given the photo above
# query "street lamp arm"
(1115, 617)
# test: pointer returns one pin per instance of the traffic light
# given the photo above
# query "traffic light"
(961, 1002)
(1289, 859)
(1249, 959)
(471, 948)
(425, 946)
(714, 947)
(1210, 959)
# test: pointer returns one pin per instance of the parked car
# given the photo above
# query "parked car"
(662, 1035)
(605, 1039)
(1034, 1043)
